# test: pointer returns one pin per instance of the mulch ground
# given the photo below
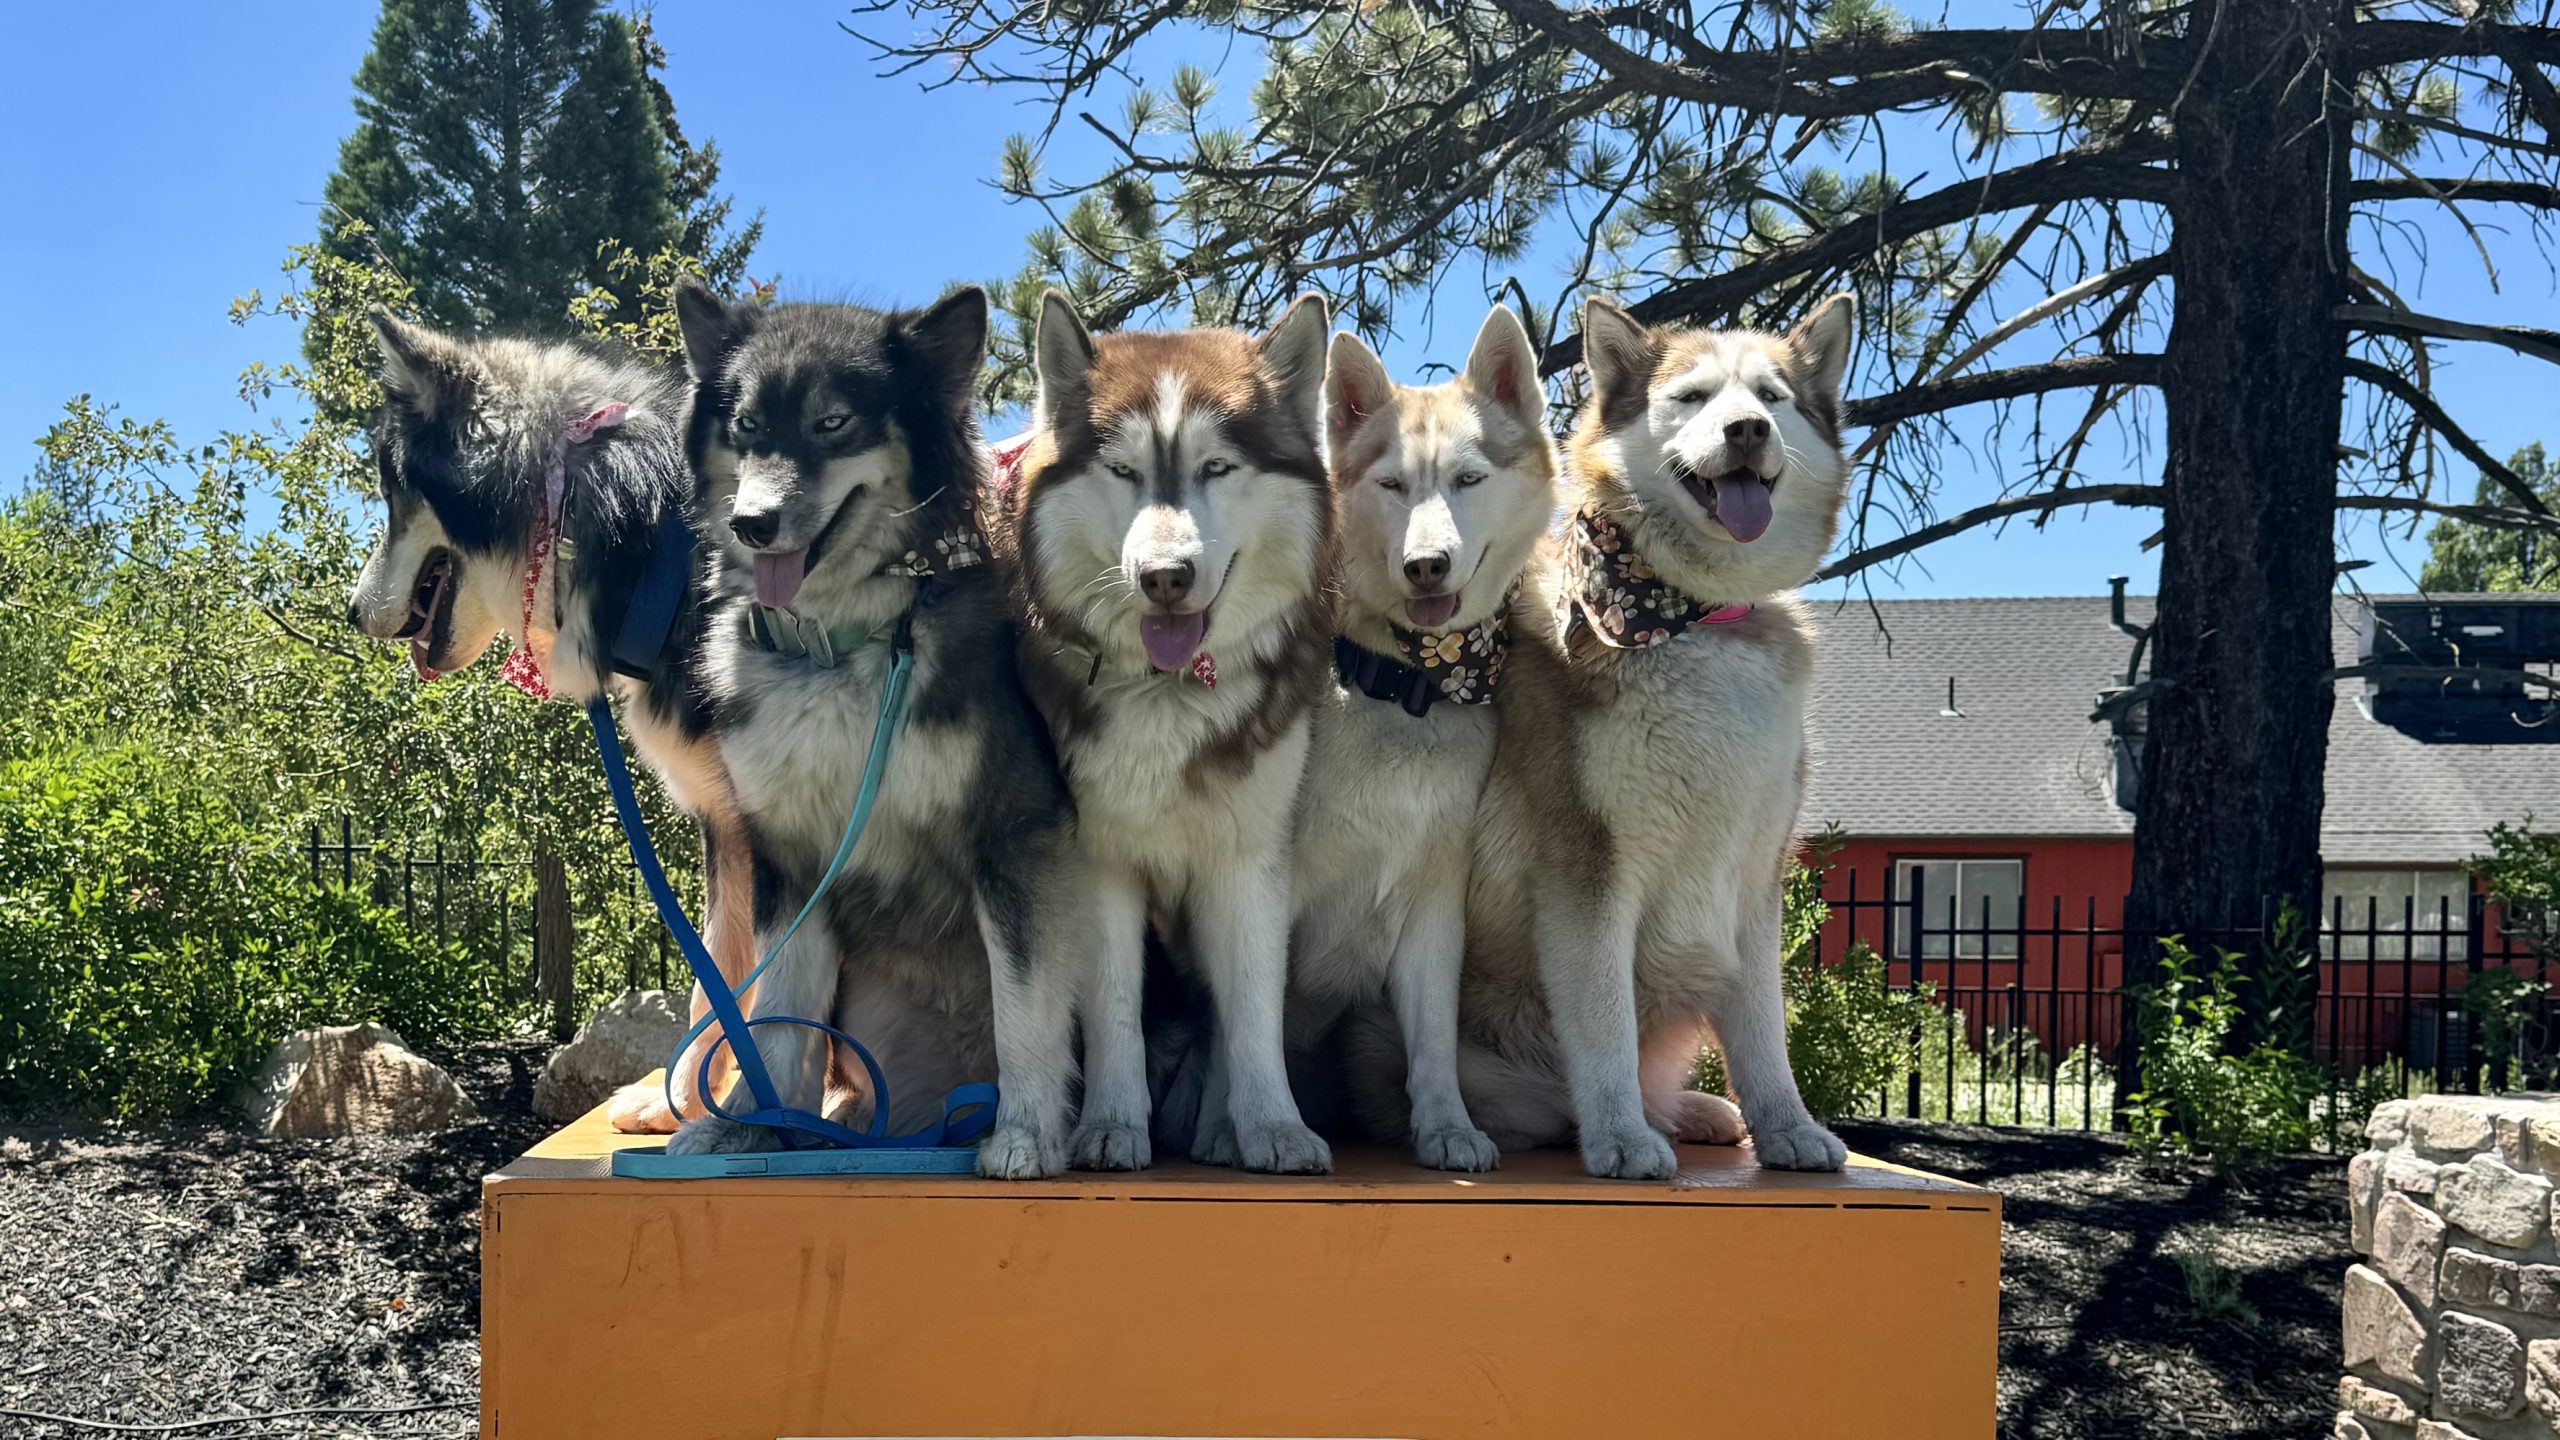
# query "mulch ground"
(182, 1272)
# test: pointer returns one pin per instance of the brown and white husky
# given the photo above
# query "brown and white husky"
(1442, 493)
(1645, 798)
(1171, 536)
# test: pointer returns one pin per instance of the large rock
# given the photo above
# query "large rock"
(2542, 1380)
(2493, 1200)
(2408, 1243)
(2482, 1371)
(2381, 1331)
(351, 1080)
(632, 1035)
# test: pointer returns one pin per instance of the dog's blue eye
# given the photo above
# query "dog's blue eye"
(1212, 469)
(1467, 478)
(744, 424)
(1771, 394)
(1690, 397)
(830, 424)
(1391, 482)
(1125, 472)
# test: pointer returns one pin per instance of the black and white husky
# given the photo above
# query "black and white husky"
(1172, 537)
(1442, 493)
(840, 471)
(1645, 794)
(473, 434)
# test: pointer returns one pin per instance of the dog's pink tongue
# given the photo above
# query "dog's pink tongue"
(1431, 611)
(778, 576)
(1742, 505)
(1172, 640)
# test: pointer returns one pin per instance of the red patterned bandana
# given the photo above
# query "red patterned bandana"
(1609, 587)
(528, 664)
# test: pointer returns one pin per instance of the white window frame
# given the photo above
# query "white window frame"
(2390, 943)
(1969, 942)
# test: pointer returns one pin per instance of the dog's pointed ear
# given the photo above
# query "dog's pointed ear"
(707, 326)
(1821, 345)
(1617, 349)
(421, 368)
(1356, 387)
(1061, 358)
(1503, 368)
(1293, 353)
(951, 338)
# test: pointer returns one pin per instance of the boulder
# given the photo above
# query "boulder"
(630, 1036)
(351, 1080)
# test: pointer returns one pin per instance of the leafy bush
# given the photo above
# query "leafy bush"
(152, 947)
(2205, 1093)
(1849, 1032)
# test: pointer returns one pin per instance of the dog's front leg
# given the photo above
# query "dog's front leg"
(1242, 917)
(800, 983)
(1748, 1007)
(1423, 978)
(1587, 967)
(1019, 917)
(1111, 1130)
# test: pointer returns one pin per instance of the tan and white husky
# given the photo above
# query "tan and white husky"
(1645, 798)
(1171, 538)
(1442, 494)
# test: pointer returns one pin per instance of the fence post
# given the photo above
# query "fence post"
(558, 971)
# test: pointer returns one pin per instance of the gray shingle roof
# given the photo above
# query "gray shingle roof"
(2023, 758)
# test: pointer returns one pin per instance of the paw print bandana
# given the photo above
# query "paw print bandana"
(1461, 667)
(1610, 588)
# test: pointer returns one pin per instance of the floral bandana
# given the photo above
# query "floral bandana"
(528, 664)
(1610, 587)
(1461, 667)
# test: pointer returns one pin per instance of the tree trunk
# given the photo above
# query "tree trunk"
(2229, 810)
(554, 942)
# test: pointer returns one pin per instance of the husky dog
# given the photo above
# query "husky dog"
(471, 435)
(1172, 536)
(840, 468)
(1644, 800)
(1442, 494)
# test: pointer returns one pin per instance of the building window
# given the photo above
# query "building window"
(2395, 914)
(1970, 884)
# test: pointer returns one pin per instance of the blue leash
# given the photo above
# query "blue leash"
(968, 1111)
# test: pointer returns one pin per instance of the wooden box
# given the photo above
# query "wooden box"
(1383, 1300)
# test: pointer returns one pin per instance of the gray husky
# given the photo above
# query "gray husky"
(840, 471)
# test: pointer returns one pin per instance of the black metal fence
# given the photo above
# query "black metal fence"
(2033, 1024)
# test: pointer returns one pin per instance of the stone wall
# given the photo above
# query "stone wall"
(2452, 1322)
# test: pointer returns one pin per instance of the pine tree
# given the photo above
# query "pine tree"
(2464, 555)
(707, 235)
(501, 144)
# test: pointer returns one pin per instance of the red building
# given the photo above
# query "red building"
(1958, 754)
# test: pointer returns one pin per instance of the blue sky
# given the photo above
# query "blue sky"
(165, 156)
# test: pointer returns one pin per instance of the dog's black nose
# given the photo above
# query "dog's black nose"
(757, 530)
(1167, 584)
(1747, 434)
(355, 619)
(1429, 572)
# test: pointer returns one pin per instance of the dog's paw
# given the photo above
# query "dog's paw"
(1283, 1149)
(641, 1109)
(1109, 1145)
(711, 1135)
(1020, 1152)
(1216, 1145)
(1800, 1146)
(1456, 1147)
(1631, 1153)
(1696, 1118)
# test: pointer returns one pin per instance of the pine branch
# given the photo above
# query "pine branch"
(2372, 44)
(2497, 517)
(2039, 502)
(2540, 344)
(1941, 395)
(2452, 187)
(2433, 416)
(2115, 172)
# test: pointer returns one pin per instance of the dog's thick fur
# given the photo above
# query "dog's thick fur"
(844, 437)
(1644, 802)
(1442, 491)
(468, 429)
(1173, 485)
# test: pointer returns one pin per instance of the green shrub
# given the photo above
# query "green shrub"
(2204, 1093)
(1849, 1032)
(152, 947)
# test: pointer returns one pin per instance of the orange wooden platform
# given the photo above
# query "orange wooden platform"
(1383, 1300)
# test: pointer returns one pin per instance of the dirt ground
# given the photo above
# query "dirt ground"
(156, 1276)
